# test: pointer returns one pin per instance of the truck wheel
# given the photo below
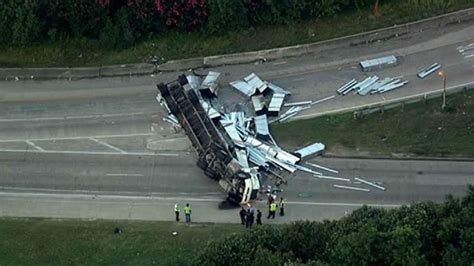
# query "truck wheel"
(210, 173)
(163, 90)
(182, 80)
(201, 163)
(192, 96)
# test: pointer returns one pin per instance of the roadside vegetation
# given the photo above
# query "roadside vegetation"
(424, 233)
(416, 129)
(102, 32)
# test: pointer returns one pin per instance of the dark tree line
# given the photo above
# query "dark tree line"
(424, 233)
(121, 23)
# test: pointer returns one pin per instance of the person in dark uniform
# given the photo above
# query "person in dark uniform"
(259, 217)
(243, 215)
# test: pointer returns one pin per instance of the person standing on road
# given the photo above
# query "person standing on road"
(249, 219)
(282, 206)
(273, 209)
(187, 213)
(243, 213)
(259, 217)
(176, 211)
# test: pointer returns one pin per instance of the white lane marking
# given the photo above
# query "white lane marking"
(124, 175)
(92, 152)
(214, 199)
(79, 137)
(279, 63)
(34, 145)
(298, 79)
(70, 117)
(97, 192)
(469, 56)
(108, 145)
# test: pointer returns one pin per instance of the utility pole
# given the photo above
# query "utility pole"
(442, 74)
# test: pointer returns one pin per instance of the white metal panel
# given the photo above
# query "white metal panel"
(254, 81)
(243, 87)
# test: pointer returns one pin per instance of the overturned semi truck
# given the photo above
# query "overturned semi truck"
(216, 152)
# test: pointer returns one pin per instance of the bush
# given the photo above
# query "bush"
(19, 24)
(422, 234)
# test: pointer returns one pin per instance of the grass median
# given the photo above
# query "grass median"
(87, 52)
(72, 242)
(420, 129)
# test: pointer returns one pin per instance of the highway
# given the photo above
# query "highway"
(106, 137)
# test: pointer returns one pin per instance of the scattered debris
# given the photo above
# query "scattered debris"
(323, 168)
(333, 178)
(298, 103)
(372, 85)
(369, 183)
(352, 188)
(315, 148)
(378, 63)
(428, 70)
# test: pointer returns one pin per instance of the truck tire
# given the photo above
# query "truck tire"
(192, 96)
(201, 163)
(182, 80)
(163, 90)
(216, 147)
(210, 173)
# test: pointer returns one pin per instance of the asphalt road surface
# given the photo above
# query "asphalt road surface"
(62, 141)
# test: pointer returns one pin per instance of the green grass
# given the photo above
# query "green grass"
(48, 242)
(87, 52)
(419, 129)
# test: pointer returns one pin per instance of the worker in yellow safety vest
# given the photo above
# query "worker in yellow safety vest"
(273, 209)
(282, 206)
(187, 213)
(176, 211)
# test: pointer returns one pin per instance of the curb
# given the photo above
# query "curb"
(383, 34)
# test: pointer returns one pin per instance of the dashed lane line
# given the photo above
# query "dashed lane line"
(107, 145)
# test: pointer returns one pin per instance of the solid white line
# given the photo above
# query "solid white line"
(92, 152)
(279, 63)
(298, 79)
(34, 145)
(108, 145)
(95, 192)
(80, 137)
(124, 175)
(70, 117)
(210, 199)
